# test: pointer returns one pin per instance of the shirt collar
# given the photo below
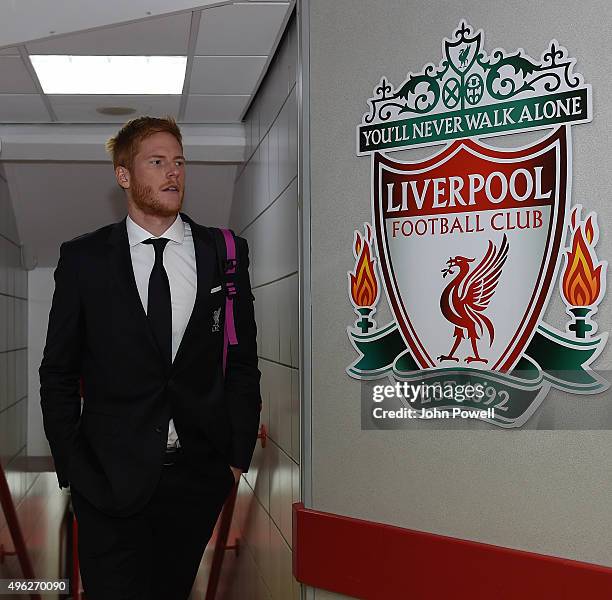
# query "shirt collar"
(137, 235)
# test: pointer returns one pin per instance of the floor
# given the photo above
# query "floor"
(40, 507)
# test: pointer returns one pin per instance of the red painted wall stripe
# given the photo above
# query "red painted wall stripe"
(374, 561)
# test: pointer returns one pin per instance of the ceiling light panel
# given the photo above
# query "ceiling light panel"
(61, 74)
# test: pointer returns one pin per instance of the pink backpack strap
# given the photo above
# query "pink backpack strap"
(229, 268)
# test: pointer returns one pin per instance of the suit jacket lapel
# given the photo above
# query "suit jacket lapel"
(205, 254)
(122, 272)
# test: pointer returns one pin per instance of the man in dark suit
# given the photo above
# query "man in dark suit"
(163, 433)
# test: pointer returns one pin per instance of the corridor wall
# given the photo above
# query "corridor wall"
(544, 491)
(29, 490)
(264, 211)
(13, 335)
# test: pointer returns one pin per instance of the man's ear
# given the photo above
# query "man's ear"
(123, 177)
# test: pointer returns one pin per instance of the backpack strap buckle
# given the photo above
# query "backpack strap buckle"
(229, 265)
(230, 288)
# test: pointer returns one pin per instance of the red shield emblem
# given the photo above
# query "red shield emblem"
(469, 244)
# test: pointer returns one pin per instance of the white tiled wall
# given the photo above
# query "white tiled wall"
(13, 368)
(13, 335)
(264, 211)
(40, 293)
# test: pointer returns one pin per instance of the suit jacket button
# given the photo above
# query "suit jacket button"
(158, 429)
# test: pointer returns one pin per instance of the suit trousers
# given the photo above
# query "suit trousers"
(155, 553)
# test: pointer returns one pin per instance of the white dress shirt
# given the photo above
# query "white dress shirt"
(180, 265)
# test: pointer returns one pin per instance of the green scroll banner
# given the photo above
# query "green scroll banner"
(551, 360)
(514, 115)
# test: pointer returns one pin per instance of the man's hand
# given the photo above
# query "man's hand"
(237, 472)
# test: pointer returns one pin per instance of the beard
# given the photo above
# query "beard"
(145, 199)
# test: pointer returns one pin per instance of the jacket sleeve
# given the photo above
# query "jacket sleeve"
(242, 374)
(60, 369)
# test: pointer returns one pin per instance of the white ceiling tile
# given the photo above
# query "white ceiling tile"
(26, 20)
(9, 51)
(214, 109)
(82, 109)
(154, 37)
(22, 108)
(14, 77)
(226, 74)
(240, 29)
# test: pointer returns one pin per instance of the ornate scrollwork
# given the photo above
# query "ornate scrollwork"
(467, 77)
(513, 83)
(550, 74)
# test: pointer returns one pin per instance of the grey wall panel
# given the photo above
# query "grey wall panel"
(40, 292)
(273, 138)
(4, 246)
(261, 178)
(11, 375)
(294, 334)
(267, 324)
(8, 224)
(283, 288)
(544, 491)
(264, 211)
(292, 39)
(258, 476)
(3, 380)
(272, 239)
(13, 343)
(289, 321)
(3, 323)
(292, 167)
(21, 373)
(258, 531)
(10, 316)
(256, 134)
(280, 406)
(281, 490)
(274, 93)
(20, 317)
(242, 204)
(286, 168)
(295, 417)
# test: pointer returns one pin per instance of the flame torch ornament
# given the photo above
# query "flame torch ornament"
(364, 290)
(584, 277)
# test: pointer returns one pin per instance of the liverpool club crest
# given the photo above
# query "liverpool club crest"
(469, 245)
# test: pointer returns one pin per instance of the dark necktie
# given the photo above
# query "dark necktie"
(159, 304)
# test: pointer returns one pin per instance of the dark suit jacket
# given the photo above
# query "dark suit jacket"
(113, 451)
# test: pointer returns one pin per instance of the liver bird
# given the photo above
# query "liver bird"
(467, 296)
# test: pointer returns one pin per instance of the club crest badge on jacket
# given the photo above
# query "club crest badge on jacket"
(470, 243)
(216, 318)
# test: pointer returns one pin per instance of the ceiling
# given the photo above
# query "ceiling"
(26, 20)
(228, 48)
(52, 146)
